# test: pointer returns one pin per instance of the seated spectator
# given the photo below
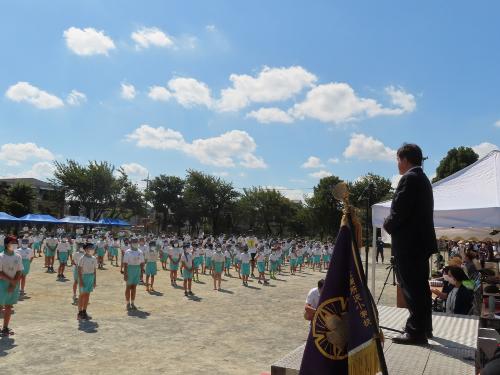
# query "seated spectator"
(470, 267)
(447, 287)
(312, 300)
(459, 300)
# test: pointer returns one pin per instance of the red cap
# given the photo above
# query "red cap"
(10, 239)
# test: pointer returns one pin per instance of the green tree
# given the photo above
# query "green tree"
(371, 189)
(19, 199)
(325, 210)
(456, 159)
(165, 193)
(209, 197)
(267, 208)
(95, 185)
(130, 202)
(372, 186)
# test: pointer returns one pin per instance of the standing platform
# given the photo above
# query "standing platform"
(452, 351)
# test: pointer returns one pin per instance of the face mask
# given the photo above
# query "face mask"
(175, 245)
(24, 245)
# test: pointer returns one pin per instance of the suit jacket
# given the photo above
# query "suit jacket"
(411, 221)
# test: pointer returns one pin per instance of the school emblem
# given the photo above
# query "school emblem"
(330, 328)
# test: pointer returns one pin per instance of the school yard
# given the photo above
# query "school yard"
(237, 331)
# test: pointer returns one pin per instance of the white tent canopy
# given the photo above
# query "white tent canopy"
(468, 199)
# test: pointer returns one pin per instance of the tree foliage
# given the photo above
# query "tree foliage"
(456, 159)
(17, 199)
(198, 202)
(209, 197)
(97, 189)
(325, 211)
(166, 194)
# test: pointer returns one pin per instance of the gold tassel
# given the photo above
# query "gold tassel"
(364, 361)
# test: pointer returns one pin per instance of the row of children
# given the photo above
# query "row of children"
(139, 257)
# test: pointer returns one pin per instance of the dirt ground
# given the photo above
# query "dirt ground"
(237, 331)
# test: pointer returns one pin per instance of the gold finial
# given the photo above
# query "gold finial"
(349, 217)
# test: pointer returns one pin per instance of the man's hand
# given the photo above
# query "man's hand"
(309, 312)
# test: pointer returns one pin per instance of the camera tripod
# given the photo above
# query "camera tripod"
(390, 269)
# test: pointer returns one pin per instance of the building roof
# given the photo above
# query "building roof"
(42, 185)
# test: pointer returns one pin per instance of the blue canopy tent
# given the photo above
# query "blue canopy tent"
(78, 220)
(114, 222)
(38, 218)
(6, 217)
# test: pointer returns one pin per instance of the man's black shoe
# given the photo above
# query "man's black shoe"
(429, 334)
(406, 339)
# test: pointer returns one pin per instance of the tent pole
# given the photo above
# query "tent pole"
(374, 255)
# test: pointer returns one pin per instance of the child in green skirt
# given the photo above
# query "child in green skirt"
(87, 267)
(11, 267)
(187, 266)
(245, 265)
(133, 264)
(27, 255)
(217, 267)
(151, 257)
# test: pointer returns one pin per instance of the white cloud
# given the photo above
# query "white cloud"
(41, 170)
(292, 194)
(88, 41)
(337, 103)
(127, 91)
(221, 174)
(15, 153)
(320, 174)
(268, 115)
(313, 162)
(25, 92)
(227, 150)
(210, 28)
(135, 171)
(157, 138)
(484, 148)
(334, 160)
(364, 147)
(497, 124)
(402, 99)
(190, 92)
(270, 85)
(159, 93)
(151, 36)
(76, 98)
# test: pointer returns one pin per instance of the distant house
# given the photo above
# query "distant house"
(42, 189)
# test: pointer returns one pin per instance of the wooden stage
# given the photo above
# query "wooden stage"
(452, 351)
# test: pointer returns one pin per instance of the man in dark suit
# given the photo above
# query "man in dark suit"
(411, 226)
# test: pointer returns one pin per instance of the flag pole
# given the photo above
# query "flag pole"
(341, 192)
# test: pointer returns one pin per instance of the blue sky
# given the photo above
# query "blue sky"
(249, 91)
